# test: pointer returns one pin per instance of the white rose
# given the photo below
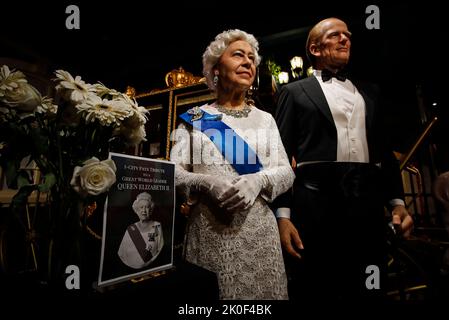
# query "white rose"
(24, 97)
(94, 178)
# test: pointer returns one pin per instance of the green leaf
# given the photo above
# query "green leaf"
(21, 197)
(49, 182)
(23, 179)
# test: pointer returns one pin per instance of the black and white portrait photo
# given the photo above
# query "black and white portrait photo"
(138, 220)
(143, 240)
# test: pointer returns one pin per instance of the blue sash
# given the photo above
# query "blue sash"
(233, 147)
(139, 242)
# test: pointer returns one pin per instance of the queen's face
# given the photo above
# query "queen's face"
(236, 67)
(144, 209)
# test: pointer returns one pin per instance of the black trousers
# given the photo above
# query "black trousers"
(340, 216)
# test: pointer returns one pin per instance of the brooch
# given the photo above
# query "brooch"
(196, 113)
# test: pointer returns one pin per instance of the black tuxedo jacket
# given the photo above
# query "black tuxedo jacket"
(309, 134)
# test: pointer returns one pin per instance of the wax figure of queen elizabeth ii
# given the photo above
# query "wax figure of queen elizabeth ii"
(230, 156)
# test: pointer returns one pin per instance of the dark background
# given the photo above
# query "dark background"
(136, 43)
(131, 42)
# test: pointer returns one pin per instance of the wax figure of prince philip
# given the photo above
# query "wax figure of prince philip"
(345, 176)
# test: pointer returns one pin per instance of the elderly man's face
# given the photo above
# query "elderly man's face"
(144, 209)
(333, 49)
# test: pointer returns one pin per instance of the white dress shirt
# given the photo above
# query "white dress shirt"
(348, 111)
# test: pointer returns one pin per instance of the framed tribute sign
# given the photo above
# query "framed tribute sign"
(138, 219)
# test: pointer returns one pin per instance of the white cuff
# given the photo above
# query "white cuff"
(283, 213)
(396, 202)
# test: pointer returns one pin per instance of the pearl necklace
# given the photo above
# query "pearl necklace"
(236, 113)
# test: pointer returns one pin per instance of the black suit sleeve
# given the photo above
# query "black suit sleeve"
(285, 118)
(392, 178)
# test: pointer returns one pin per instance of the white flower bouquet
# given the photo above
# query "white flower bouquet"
(68, 136)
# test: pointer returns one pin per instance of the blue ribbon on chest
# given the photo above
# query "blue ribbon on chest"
(233, 147)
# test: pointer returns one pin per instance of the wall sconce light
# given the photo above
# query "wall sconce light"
(297, 63)
(310, 71)
(283, 77)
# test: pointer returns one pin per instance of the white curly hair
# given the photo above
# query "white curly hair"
(144, 196)
(216, 48)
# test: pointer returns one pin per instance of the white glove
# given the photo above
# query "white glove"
(248, 187)
(217, 188)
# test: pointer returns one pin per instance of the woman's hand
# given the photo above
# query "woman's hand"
(217, 188)
(248, 187)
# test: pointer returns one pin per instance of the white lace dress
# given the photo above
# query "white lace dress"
(245, 253)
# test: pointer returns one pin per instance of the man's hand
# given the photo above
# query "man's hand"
(289, 237)
(403, 220)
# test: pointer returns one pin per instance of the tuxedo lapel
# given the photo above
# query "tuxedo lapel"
(313, 90)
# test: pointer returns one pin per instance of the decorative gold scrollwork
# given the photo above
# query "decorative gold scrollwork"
(180, 78)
